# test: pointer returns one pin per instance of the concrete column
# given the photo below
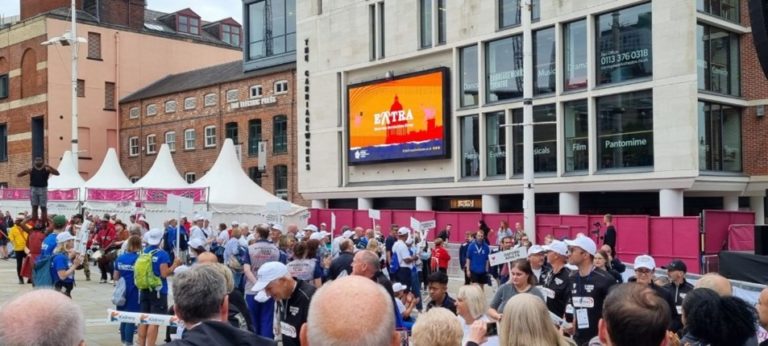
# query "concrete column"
(569, 203)
(364, 203)
(671, 202)
(318, 204)
(424, 203)
(490, 203)
(731, 202)
(758, 206)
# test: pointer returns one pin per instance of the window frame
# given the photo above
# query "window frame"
(170, 106)
(212, 97)
(110, 96)
(211, 136)
(94, 46)
(568, 70)
(153, 111)
(4, 83)
(466, 170)
(280, 84)
(283, 31)
(255, 88)
(134, 113)
(279, 141)
(171, 144)
(188, 174)
(281, 181)
(81, 88)
(232, 126)
(253, 140)
(707, 80)
(598, 60)
(190, 103)
(151, 147)
(187, 140)
(230, 92)
(4, 142)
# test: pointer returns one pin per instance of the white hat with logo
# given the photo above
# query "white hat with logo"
(585, 243)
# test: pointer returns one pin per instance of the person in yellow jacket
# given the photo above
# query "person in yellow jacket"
(18, 236)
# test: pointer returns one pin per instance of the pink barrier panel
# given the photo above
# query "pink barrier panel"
(632, 236)
(361, 219)
(741, 238)
(494, 222)
(675, 238)
(716, 224)
(445, 218)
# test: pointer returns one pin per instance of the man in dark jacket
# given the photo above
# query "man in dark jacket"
(463, 256)
(201, 301)
(342, 265)
(678, 288)
(644, 268)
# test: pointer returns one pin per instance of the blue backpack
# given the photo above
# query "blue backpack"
(41, 274)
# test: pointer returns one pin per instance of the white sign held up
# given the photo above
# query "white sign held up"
(81, 240)
(333, 222)
(415, 224)
(428, 224)
(374, 214)
(180, 204)
(507, 256)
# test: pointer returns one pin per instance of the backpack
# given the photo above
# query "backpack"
(394, 266)
(144, 277)
(41, 273)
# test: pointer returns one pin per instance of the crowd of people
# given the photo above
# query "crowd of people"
(241, 285)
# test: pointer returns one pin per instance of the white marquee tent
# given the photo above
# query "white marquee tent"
(232, 195)
(110, 176)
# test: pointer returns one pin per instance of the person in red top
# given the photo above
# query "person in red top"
(105, 238)
(35, 245)
(440, 256)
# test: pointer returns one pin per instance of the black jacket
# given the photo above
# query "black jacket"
(210, 333)
(678, 295)
(340, 264)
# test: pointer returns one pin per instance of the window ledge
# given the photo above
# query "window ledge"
(95, 59)
(721, 173)
(109, 109)
(496, 177)
(472, 178)
(583, 173)
(624, 83)
(209, 147)
(647, 169)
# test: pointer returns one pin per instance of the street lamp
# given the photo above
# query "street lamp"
(529, 199)
(70, 39)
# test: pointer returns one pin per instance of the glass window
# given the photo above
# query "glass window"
(281, 181)
(210, 136)
(425, 21)
(509, 13)
(256, 91)
(719, 137)
(496, 144)
(190, 177)
(470, 146)
(134, 112)
(170, 106)
(230, 131)
(575, 55)
(133, 145)
(280, 134)
(441, 21)
(726, 9)
(544, 61)
(624, 45)
(210, 100)
(151, 144)
(281, 87)
(535, 10)
(194, 26)
(233, 95)
(625, 130)
(254, 136)
(504, 69)
(4, 86)
(94, 45)
(190, 103)
(80, 88)
(151, 109)
(255, 175)
(282, 36)
(544, 139)
(576, 136)
(469, 76)
(189, 139)
(109, 96)
(170, 140)
(718, 60)
(183, 24)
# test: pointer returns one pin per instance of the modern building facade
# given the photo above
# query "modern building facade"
(251, 101)
(640, 107)
(128, 47)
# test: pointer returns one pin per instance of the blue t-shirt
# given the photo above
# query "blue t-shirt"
(477, 254)
(61, 262)
(49, 244)
(124, 265)
(159, 258)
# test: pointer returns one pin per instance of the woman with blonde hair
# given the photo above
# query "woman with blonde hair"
(471, 306)
(437, 327)
(526, 322)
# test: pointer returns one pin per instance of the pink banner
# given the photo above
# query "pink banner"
(741, 238)
(15, 194)
(161, 195)
(63, 195)
(112, 195)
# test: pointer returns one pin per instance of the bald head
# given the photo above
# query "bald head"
(207, 257)
(365, 263)
(336, 307)
(62, 320)
(715, 282)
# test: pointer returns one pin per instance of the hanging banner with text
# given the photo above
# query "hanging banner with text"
(116, 317)
(15, 194)
(112, 195)
(64, 195)
(198, 195)
(507, 256)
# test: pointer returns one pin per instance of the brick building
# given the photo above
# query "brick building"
(193, 112)
(35, 79)
(755, 98)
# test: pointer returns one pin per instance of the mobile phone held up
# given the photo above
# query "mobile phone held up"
(491, 329)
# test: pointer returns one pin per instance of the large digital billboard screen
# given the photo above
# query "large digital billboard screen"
(399, 119)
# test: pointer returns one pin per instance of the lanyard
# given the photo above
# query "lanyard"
(478, 250)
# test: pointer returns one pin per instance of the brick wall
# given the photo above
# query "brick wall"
(18, 120)
(754, 87)
(31, 8)
(201, 159)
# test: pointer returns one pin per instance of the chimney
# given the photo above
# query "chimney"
(31, 8)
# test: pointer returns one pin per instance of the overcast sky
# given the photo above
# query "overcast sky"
(209, 10)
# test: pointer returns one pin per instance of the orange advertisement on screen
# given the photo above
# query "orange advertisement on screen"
(398, 119)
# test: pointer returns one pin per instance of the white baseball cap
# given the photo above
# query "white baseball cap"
(558, 247)
(348, 234)
(63, 237)
(195, 243)
(154, 236)
(269, 272)
(277, 226)
(300, 235)
(316, 236)
(199, 218)
(585, 243)
(645, 261)
(311, 227)
(403, 231)
(397, 287)
(235, 223)
(535, 249)
(325, 233)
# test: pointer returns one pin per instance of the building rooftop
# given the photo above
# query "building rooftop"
(200, 78)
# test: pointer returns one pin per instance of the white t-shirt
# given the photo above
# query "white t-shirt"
(197, 232)
(223, 237)
(402, 253)
(492, 340)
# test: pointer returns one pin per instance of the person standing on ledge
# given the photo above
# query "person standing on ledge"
(610, 234)
(38, 187)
